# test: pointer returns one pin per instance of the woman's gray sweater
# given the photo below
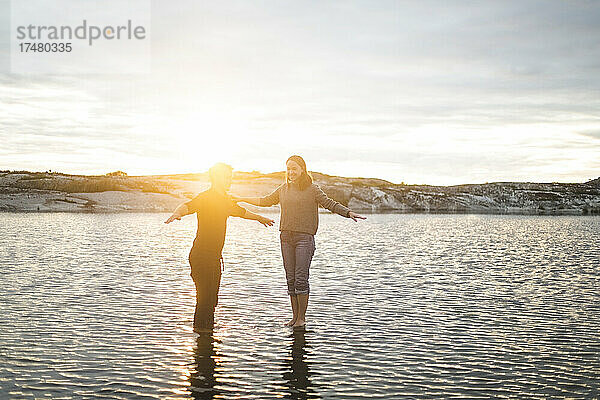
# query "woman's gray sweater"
(300, 208)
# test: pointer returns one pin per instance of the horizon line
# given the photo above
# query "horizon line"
(283, 172)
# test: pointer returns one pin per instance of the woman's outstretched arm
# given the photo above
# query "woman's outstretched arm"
(255, 201)
(334, 206)
(266, 201)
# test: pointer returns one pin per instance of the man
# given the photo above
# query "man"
(212, 208)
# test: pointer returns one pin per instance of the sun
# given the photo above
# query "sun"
(206, 138)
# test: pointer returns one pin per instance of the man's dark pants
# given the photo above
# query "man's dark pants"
(206, 273)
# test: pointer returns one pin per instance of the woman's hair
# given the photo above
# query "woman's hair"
(305, 180)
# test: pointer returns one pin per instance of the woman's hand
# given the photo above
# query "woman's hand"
(355, 216)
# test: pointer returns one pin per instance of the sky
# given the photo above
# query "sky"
(431, 92)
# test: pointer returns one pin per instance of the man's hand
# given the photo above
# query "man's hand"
(172, 218)
(355, 216)
(266, 221)
(179, 212)
(263, 220)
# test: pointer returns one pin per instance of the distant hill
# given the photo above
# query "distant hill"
(594, 182)
(118, 192)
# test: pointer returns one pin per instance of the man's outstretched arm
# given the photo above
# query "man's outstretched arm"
(263, 220)
(180, 211)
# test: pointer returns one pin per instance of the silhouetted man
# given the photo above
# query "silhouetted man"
(212, 208)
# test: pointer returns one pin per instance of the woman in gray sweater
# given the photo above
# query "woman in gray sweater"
(299, 200)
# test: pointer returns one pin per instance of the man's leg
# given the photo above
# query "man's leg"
(207, 278)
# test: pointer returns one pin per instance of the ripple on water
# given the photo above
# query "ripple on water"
(417, 306)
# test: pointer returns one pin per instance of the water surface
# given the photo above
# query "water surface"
(402, 306)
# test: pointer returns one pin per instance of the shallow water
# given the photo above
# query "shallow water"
(402, 306)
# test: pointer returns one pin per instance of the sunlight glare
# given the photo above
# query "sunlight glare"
(207, 138)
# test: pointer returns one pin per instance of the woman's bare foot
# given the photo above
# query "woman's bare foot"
(291, 322)
(299, 323)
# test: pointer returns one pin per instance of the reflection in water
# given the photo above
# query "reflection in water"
(297, 370)
(202, 380)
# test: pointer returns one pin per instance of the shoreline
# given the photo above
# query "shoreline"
(568, 213)
(55, 192)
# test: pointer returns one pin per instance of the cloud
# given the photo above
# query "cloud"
(353, 80)
(595, 134)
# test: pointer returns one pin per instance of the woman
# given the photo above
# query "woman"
(299, 200)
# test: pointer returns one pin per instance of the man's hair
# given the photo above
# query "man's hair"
(218, 169)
